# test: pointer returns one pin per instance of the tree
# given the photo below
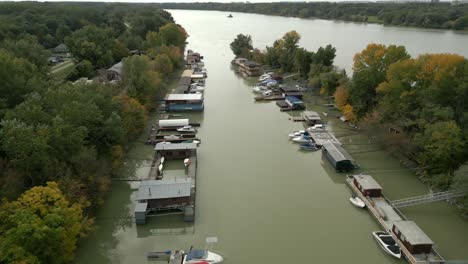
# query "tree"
(302, 61)
(133, 116)
(441, 145)
(242, 45)
(163, 64)
(172, 34)
(140, 78)
(325, 56)
(460, 181)
(369, 68)
(41, 227)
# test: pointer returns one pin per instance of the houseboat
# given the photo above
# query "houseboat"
(338, 157)
(412, 237)
(184, 102)
(294, 103)
(311, 118)
(250, 68)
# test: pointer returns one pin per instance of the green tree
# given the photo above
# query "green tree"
(242, 45)
(41, 226)
(172, 34)
(163, 64)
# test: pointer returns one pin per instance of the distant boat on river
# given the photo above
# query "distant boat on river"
(230, 16)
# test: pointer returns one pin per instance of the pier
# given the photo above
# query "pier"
(415, 245)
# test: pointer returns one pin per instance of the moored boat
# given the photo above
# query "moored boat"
(387, 243)
(187, 129)
(172, 137)
(202, 256)
(302, 139)
(296, 134)
(356, 201)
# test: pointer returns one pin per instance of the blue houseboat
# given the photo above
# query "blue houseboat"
(184, 102)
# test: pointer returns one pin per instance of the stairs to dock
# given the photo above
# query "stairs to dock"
(429, 198)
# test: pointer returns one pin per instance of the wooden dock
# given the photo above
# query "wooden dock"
(386, 217)
(268, 98)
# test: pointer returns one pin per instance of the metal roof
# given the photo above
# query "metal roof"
(337, 152)
(367, 182)
(183, 97)
(141, 207)
(175, 146)
(311, 115)
(162, 189)
(117, 68)
(413, 234)
(293, 99)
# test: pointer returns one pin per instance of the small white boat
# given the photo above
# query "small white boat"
(160, 168)
(187, 129)
(296, 134)
(172, 137)
(356, 201)
(196, 142)
(201, 256)
(387, 243)
(187, 162)
(162, 160)
(316, 127)
(302, 139)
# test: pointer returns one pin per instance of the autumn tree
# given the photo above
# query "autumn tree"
(369, 71)
(40, 227)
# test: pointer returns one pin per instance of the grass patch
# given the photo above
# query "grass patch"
(374, 19)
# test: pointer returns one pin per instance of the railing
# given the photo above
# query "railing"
(434, 197)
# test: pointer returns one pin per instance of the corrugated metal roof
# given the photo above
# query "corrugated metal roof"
(162, 189)
(367, 182)
(183, 97)
(337, 152)
(175, 146)
(412, 233)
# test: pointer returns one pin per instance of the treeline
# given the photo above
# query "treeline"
(416, 107)
(428, 15)
(60, 143)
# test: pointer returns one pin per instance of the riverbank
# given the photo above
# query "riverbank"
(259, 194)
(414, 14)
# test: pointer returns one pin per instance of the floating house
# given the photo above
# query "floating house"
(162, 195)
(291, 91)
(184, 102)
(338, 157)
(239, 61)
(193, 57)
(311, 117)
(250, 68)
(412, 237)
(176, 151)
(367, 185)
(294, 103)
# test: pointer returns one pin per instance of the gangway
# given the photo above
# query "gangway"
(429, 198)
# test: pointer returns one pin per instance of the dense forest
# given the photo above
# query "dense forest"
(61, 142)
(429, 15)
(415, 107)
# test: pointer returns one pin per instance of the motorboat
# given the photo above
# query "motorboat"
(162, 159)
(309, 146)
(356, 201)
(160, 168)
(187, 162)
(316, 127)
(387, 243)
(302, 139)
(296, 134)
(172, 137)
(192, 141)
(187, 129)
(259, 89)
(202, 256)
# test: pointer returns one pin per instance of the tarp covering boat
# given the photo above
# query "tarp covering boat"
(173, 123)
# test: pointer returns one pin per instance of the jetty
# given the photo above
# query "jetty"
(415, 245)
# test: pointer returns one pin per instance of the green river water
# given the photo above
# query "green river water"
(266, 201)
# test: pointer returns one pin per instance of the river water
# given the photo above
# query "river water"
(266, 201)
